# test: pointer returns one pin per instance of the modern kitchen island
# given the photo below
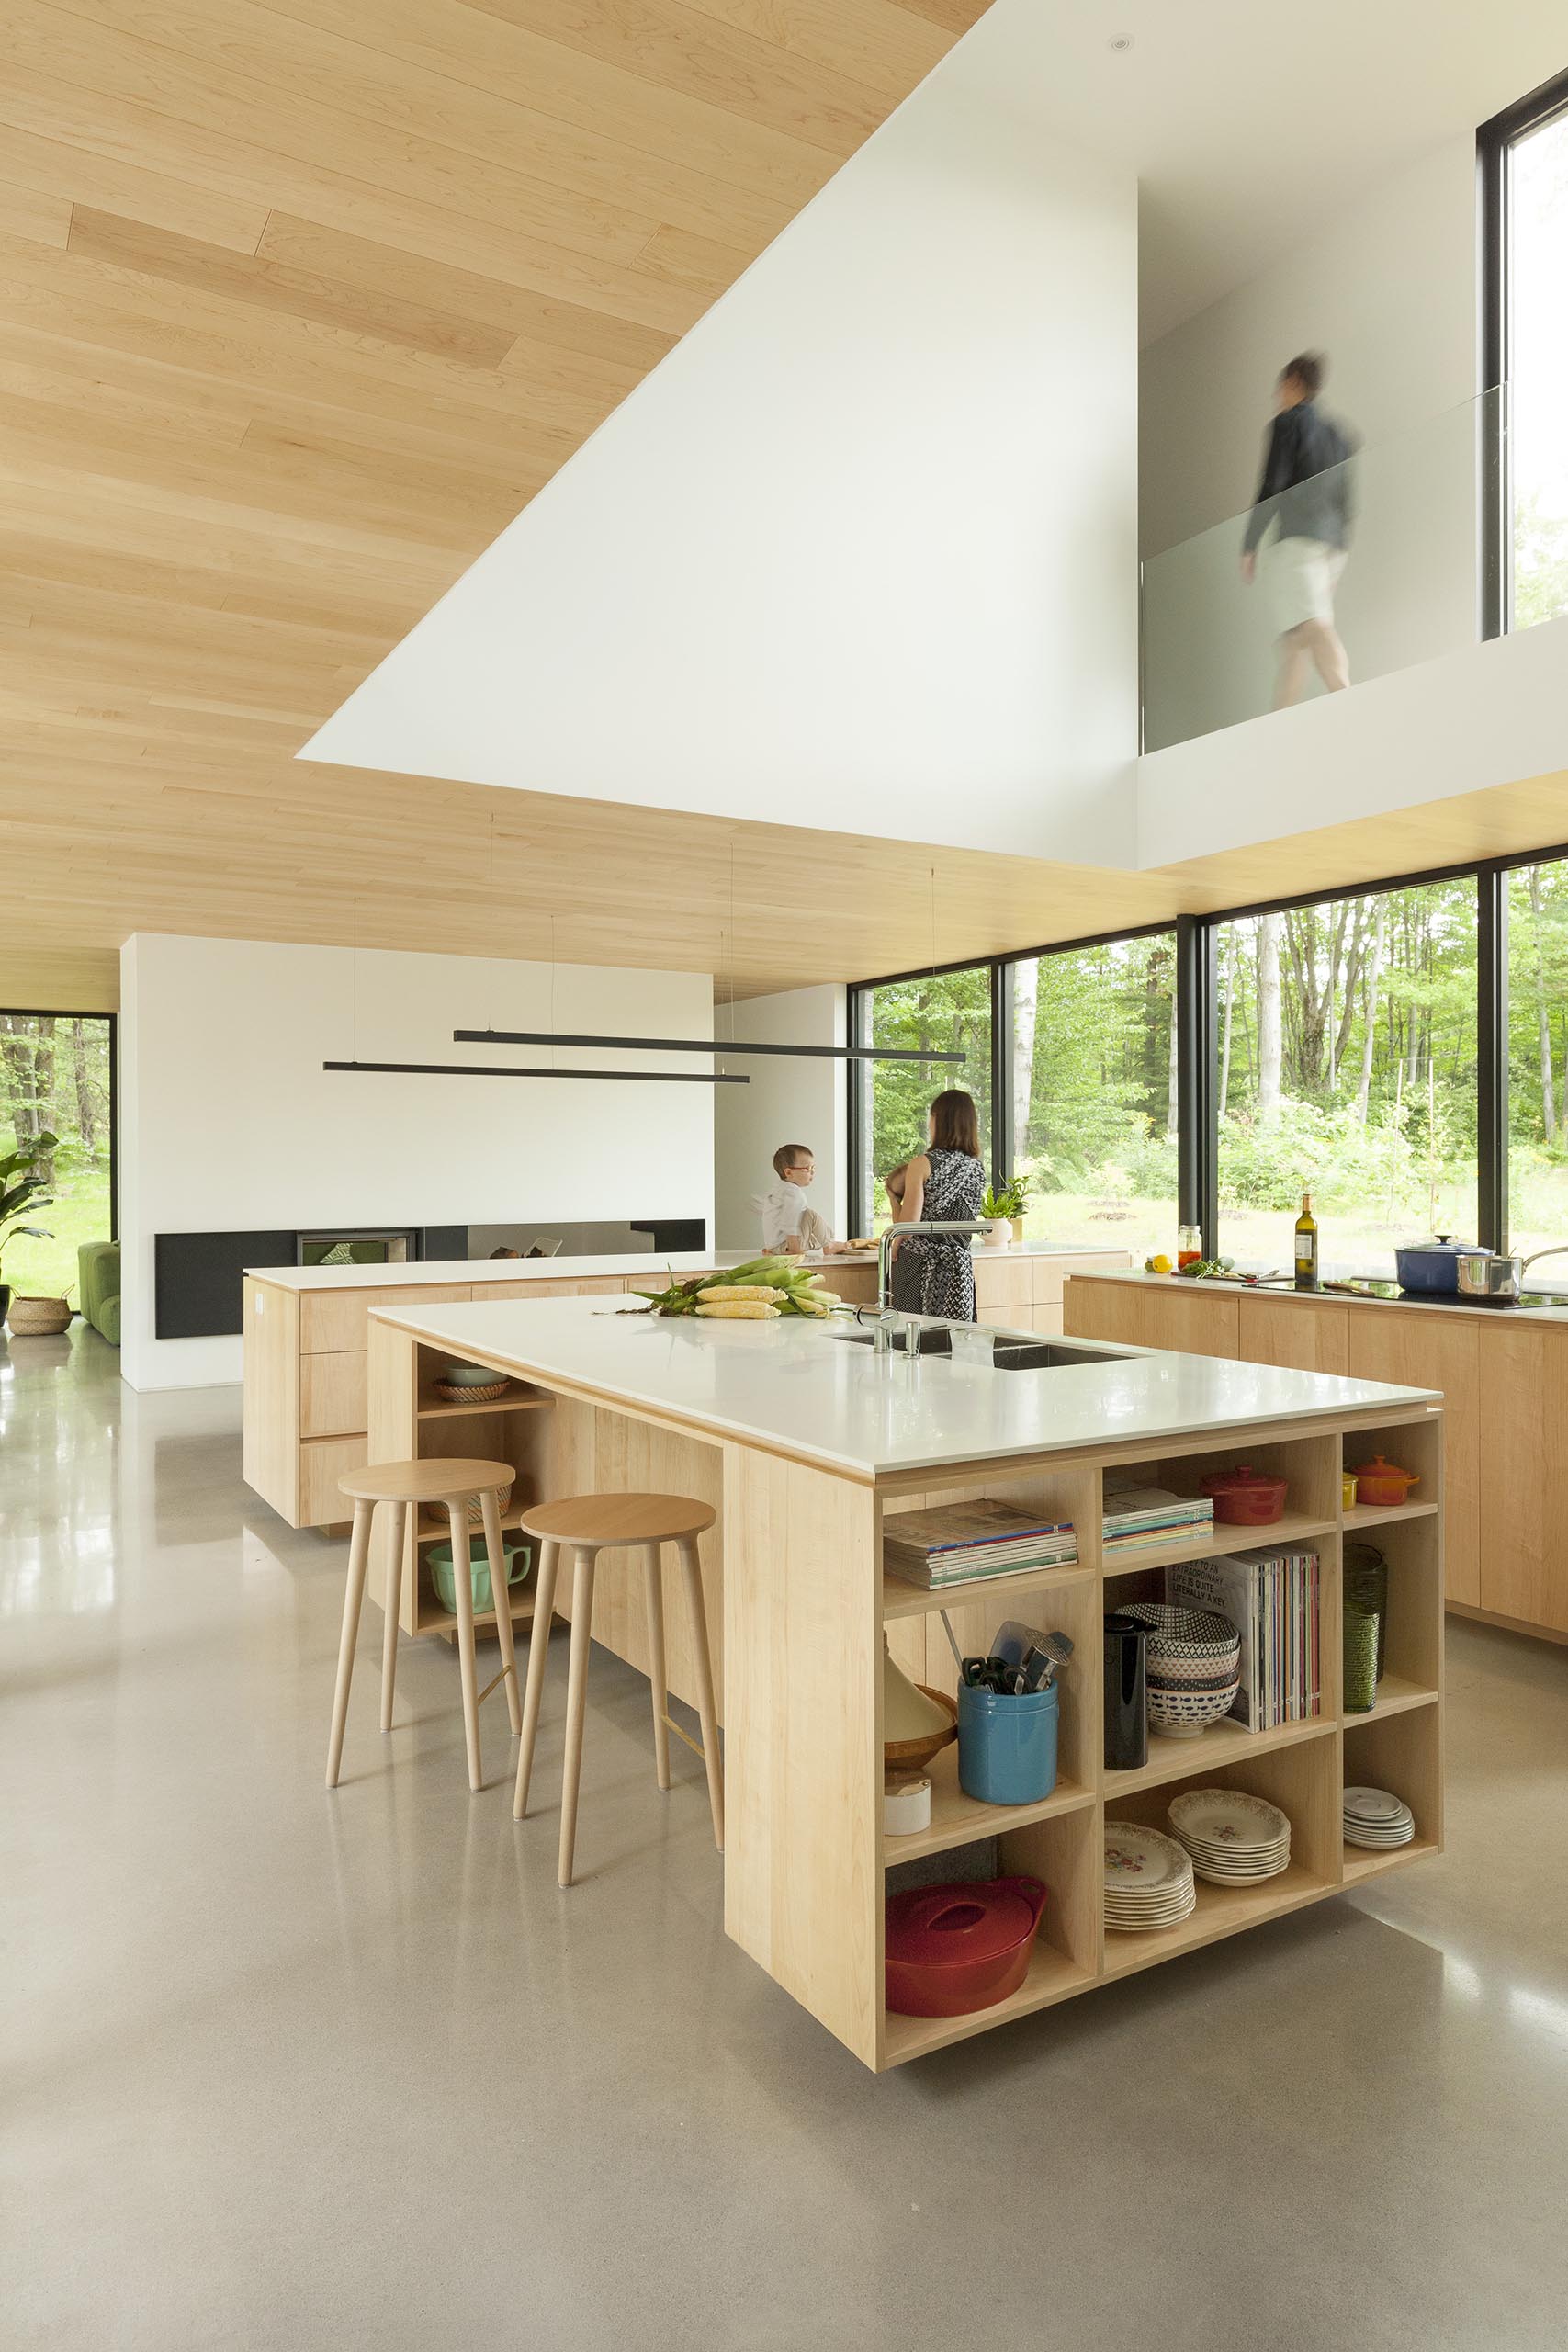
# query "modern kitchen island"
(806, 1443)
(306, 1418)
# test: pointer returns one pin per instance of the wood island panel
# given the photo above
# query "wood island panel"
(1302, 1337)
(1524, 1477)
(1191, 1321)
(1423, 1347)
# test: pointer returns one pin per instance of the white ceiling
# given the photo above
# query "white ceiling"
(1247, 122)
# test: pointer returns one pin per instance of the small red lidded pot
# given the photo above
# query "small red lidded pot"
(1246, 1497)
(961, 1947)
(1384, 1484)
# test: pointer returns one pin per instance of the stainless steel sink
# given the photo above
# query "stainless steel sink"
(1011, 1351)
(1043, 1355)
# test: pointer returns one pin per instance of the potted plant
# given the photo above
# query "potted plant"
(1003, 1207)
(996, 1211)
(20, 1193)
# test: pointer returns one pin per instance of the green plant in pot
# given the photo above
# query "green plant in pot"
(1005, 1203)
(22, 1192)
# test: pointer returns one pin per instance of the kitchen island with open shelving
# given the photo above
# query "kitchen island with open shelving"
(807, 1442)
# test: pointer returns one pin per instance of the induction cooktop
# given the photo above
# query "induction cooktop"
(1369, 1289)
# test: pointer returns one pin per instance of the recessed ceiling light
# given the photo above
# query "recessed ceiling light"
(1120, 41)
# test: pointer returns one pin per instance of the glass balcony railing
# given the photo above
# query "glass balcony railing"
(1403, 587)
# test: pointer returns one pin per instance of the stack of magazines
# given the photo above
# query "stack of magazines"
(1271, 1598)
(956, 1543)
(1138, 1517)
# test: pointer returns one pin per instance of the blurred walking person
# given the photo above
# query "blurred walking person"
(1306, 490)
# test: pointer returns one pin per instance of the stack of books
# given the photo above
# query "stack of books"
(1139, 1518)
(1271, 1598)
(957, 1542)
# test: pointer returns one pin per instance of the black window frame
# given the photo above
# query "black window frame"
(1494, 143)
(1197, 1018)
(81, 1013)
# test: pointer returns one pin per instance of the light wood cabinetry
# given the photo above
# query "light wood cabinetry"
(794, 1573)
(1523, 1438)
(1275, 1330)
(1504, 1375)
(1424, 1345)
(1181, 1316)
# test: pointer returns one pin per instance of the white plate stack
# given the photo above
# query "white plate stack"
(1232, 1838)
(1377, 1817)
(1148, 1878)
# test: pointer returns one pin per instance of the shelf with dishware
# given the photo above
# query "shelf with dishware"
(1222, 1742)
(1382, 1514)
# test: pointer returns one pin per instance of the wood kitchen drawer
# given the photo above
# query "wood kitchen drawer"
(333, 1395)
(333, 1321)
(322, 1462)
(1001, 1280)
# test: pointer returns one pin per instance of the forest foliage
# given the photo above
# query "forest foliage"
(1347, 1057)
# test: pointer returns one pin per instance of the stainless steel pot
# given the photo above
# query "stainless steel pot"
(1482, 1276)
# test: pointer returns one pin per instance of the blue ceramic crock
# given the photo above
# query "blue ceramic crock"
(1006, 1745)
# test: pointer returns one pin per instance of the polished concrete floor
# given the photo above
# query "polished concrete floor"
(287, 2070)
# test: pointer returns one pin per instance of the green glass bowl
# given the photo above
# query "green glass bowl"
(519, 1560)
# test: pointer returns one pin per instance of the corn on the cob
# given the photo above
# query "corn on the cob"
(739, 1310)
(763, 1291)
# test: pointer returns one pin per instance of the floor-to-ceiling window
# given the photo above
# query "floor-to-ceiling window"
(56, 1080)
(1538, 1062)
(942, 1013)
(1525, 176)
(1094, 1093)
(1346, 1035)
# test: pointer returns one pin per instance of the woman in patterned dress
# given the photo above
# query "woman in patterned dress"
(932, 1273)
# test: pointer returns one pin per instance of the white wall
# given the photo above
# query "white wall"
(788, 1101)
(227, 1121)
(1495, 714)
(860, 554)
(1388, 290)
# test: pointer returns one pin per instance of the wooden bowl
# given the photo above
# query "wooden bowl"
(914, 1755)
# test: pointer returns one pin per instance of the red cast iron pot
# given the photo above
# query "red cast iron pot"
(1383, 1483)
(953, 1949)
(1246, 1497)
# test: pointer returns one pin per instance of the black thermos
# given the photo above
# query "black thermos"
(1127, 1694)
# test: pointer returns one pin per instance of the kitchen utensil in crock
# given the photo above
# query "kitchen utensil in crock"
(953, 1949)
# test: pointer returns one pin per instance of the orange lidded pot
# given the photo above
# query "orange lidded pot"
(1246, 1497)
(1384, 1484)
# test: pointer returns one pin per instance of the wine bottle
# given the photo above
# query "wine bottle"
(1306, 1246)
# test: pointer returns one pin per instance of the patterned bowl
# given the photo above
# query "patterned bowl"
(1194, 1685)
(1184, 1632)
(1193, 1673)
(1183, 1715)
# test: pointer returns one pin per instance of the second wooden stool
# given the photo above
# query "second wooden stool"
(591, 1524)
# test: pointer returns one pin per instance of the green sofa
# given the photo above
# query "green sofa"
(98, 1264)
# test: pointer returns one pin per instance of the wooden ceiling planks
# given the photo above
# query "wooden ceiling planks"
(300, 304)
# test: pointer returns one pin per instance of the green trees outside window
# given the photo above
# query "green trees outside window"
(54, 1079)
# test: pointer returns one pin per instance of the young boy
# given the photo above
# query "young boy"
(790, 1223)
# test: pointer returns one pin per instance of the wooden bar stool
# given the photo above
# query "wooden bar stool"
(591, 1524)
(450, 1485)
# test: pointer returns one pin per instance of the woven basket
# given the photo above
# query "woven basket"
(477, 1508)
(39, 1319)
(449, 1395)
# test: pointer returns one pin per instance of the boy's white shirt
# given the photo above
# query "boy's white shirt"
(783, 1210)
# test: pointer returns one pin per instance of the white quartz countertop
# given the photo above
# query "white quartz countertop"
(632, 1264)
(1529, 1315)
(795, 1385)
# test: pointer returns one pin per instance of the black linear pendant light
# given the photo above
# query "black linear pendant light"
(699, 1045)
(490, 1069)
